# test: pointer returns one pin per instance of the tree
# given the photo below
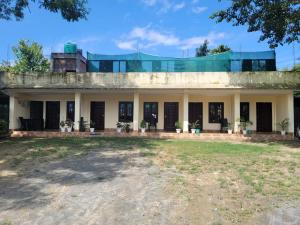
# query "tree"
(220, 49)
(203, 49)
(29, 58)
(296, 68)
(71, 10)
(278, 20)
(5, 66)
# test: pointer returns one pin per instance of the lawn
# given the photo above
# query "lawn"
(231, 183)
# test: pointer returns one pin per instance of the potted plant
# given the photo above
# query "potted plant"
(70, 125)
(178, 127)
(126, 127)
(92, 126)
(284, 124)
(244, 124)
(143, 126)
(230, 128)
(62, 126)
(119, 127)
(194, 126)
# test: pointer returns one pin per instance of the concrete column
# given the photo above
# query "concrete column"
(185, 113)
(44, 113)
(77, 111)
(63, 110)
(12, 113)
(236, 111)
(290, 116)
(136, 106)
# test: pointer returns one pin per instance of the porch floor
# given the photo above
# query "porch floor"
(159, 134)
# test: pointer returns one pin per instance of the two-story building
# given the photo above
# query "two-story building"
(116, 88)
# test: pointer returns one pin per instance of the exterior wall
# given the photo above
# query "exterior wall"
(280, 109)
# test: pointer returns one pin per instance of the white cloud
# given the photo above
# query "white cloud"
(199, 9)
(195, 1)
(147, 37)
(179, 6)
(164, 6)
(149, 2)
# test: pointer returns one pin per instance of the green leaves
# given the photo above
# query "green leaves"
(278, 20)
(71, 10)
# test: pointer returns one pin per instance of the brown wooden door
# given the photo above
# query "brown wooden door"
(98, 114)
(52, 115)
(196, 113)
(171, 115)
(264, 117)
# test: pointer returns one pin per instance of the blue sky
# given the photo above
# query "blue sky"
(160, 27)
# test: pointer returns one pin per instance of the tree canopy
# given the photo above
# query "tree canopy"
(220, 49)
(71, 10)
(278, 20)
(203, 49)
(29, 59)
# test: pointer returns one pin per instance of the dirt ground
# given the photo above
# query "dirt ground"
(120, 187)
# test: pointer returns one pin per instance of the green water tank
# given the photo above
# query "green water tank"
(70, 48)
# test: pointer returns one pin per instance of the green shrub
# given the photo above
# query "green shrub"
(3, 127)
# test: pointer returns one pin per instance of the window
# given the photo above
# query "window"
(106, 66)
(126, 112)
(244, 111)
(216, 112)
(116, 67)
(122, 66)
(71, 111)
(270, 65)
(247, 65)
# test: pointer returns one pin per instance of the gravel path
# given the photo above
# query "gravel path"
(104, 187)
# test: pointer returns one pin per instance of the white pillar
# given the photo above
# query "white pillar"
(236, 111)
(290, 116)
(77, 111)
(136, 106)
(12, 113)
(185, 113)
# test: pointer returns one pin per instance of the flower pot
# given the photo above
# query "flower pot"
(229, 131)
(178, 131)
(244, 132)
(62, 129)
(283, 132)
(143, 130)
(69, 129)
(193, 131)
(92, 130)
(198, 131)
(119, 130)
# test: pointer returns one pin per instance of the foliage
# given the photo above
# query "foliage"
(178, 125)
(71, 10)
(296, 68)
(203, 49)
(244, 123)
(29, 58)
(220, 49)
(5, 66)
(3, 127)
(278, 20)
(62, 123)
(69, 123)
(143, 124)
(284, 124)
(230, 126)
(195, 125)
(82, 125)
(119, 125)
(126, 126)
(92, 124)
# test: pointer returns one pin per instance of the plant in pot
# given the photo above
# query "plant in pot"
(284, 124)
(244, 124)
(119, 127)
(62, 126)
(92, 126)
(69, 124)
(230, 128)
(126, 127)
(178, 127)
(143, 126)
(194, 126)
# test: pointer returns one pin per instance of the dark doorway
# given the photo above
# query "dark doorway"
(52, 115)
(297, 113)
(4, 108)
(98, 114)
(151, 112)
(196, 113)
(264, 117)
(36, 115)
(171, 115)
(71, 111)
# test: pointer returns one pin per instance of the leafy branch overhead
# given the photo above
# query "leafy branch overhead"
(71, 10)
(278, 20)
